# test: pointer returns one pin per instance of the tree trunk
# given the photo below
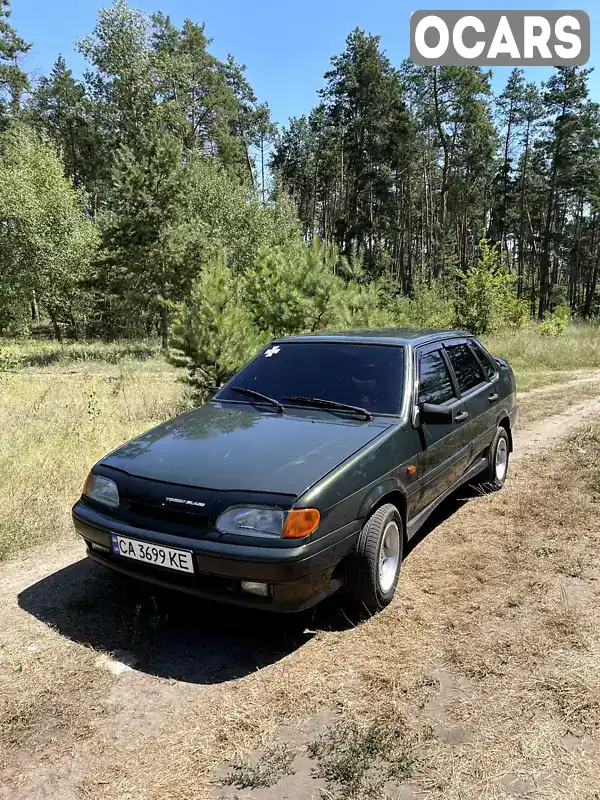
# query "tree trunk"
(545, 260)
(591, 289)
(164, 326)
(439, 267)
(55, 325)
(35, 311)
(521, 262)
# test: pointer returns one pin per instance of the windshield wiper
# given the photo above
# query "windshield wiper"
(258, 396)
(318, 402)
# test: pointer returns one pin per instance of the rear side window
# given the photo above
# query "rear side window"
(466, 367)
(488, 367)
(435, 385)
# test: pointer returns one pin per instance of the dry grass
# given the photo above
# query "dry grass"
(46, 695)
(54, 426)
(35, 353)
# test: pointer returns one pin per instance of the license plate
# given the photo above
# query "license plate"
(155, 554)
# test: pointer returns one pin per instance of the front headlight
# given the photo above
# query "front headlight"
(102, 490)
(294, 524)
(252, 521)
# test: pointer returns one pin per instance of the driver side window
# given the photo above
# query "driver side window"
(435, 385)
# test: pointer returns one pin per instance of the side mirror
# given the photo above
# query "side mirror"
(213, 391)
(435, 415)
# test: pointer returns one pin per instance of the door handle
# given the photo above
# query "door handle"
(461, 417)
(493, 397)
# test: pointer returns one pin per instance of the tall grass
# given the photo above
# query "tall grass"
(54, 427)
(43, 353)
(539, 360)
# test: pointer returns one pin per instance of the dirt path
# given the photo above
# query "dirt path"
(585, 377)
(91, 685)
(542, 435)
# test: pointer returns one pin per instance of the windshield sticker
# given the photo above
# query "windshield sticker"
(272, 351)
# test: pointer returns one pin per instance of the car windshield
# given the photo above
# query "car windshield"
(369, 376)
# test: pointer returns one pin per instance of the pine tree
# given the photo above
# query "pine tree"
(13, 80)
(511, 110)
(564, 98)
(213, 332)
(60, 107)
(154, 248)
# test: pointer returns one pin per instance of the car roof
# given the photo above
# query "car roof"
(397, 336)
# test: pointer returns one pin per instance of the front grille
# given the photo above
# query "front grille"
(170, 516)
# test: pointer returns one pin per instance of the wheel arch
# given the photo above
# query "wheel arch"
(504, 422)
(385, 493)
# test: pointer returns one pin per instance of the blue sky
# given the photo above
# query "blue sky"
(286, 46)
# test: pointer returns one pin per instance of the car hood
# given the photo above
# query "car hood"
(236, 447)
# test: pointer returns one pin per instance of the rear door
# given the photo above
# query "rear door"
(476, 384)
(444, 448)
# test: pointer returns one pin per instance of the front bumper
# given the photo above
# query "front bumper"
(298, 577)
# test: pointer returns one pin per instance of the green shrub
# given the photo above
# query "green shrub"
(486, 299)
(432, 304)
(8, 359)
(365, 305)
(311, 288)
(228, 316)
(563, 313)
(213, 333)
(556, 323)
(290, 290)
(15, 312)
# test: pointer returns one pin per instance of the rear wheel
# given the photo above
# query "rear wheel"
(377, 560)
(495, 475)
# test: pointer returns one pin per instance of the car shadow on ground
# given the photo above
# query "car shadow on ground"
(177, 636)
(159, 632)
(443, 512)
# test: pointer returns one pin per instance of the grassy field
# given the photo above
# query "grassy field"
(63, 406)
(57, 420)
(541, 360)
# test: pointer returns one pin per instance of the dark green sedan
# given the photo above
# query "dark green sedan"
(308, 472)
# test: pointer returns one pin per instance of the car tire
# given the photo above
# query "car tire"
(495, 474)
(377, 560)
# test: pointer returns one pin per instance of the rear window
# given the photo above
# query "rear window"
(466, 367)
(364, 375)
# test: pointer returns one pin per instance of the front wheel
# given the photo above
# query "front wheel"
(377, 560)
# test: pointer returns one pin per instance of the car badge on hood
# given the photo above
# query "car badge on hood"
(183, 502)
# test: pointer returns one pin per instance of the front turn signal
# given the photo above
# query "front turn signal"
(301, 522)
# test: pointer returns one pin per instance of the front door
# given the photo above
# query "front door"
(444, 447)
